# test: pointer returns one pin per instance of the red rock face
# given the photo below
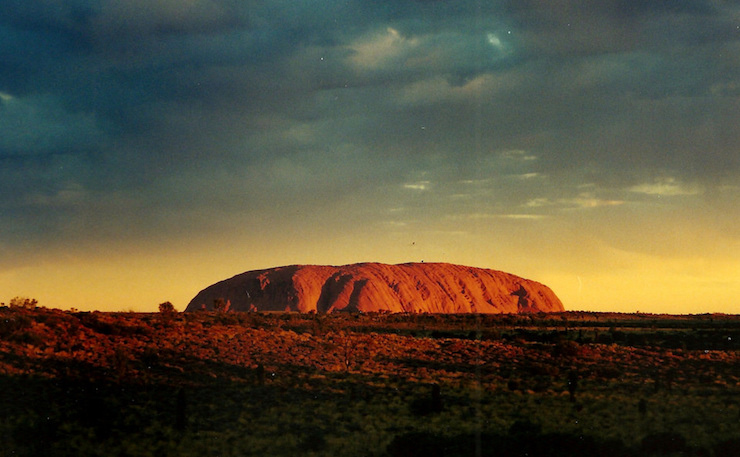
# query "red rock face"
(375, 287)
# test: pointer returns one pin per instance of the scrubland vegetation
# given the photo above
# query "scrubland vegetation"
(239, 384)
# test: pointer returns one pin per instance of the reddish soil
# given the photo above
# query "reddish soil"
(347, 384)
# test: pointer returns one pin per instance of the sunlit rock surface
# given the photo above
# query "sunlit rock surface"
(376, 287)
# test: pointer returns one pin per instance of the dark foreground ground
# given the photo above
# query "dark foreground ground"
(219, 384)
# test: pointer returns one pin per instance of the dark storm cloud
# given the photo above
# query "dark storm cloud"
(160, 109)
(575, 27)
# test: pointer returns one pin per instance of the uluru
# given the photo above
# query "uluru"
(376, 287)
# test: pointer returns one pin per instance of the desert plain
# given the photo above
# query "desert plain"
(231, 384)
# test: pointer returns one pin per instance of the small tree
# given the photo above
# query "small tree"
(23, 302)
(166, 308)
(166, 312)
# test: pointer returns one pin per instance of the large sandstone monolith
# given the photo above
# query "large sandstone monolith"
(373, 287)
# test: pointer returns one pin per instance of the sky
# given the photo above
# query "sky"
(149, 148)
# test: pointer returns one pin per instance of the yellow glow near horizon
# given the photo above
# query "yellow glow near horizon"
(594, 259)
(140, 281)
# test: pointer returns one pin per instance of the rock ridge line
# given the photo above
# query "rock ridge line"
(378, 287)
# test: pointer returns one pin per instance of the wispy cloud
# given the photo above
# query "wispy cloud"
(492, 216)
(582, 201)
(69, 195)
(666, 187)
(590, 202)
(419, 185)
(396, 224)
(538, 202)
(382, 48)
(523, 216)
(519, 154)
